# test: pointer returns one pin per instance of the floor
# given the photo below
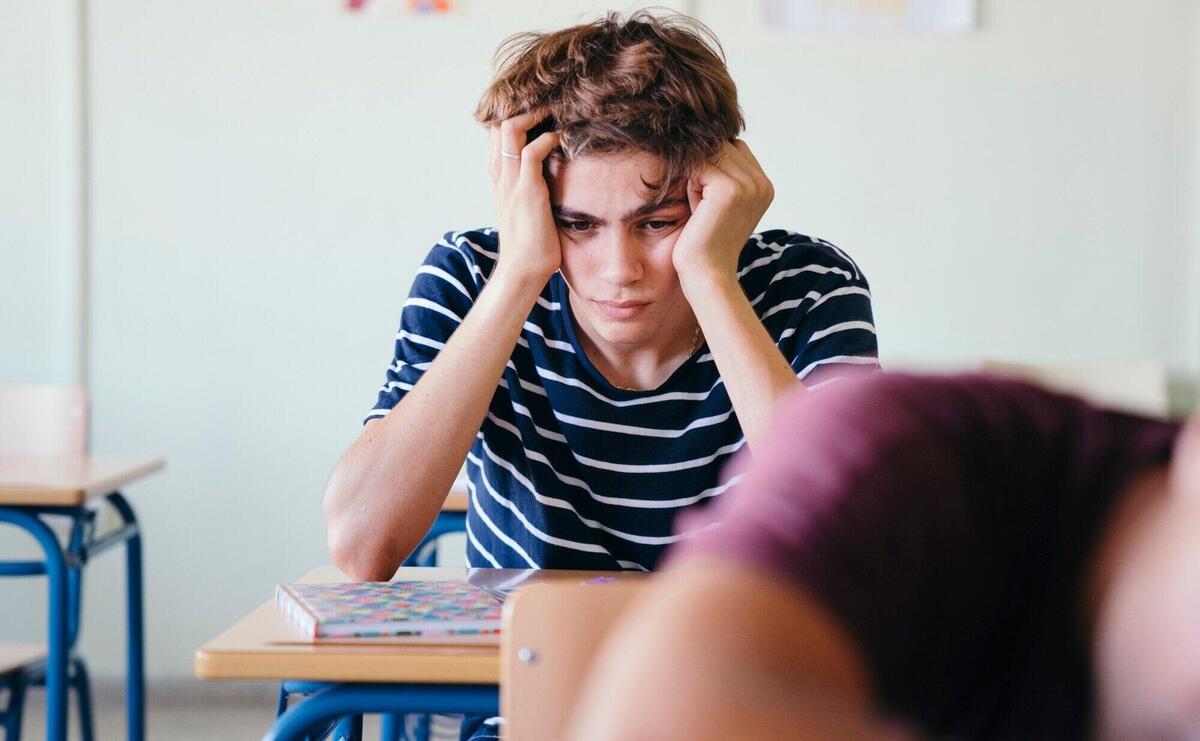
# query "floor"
(179, 710)
(182, 710)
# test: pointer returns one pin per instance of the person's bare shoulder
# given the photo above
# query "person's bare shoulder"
(717, 649)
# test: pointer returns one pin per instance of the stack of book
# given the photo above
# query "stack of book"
(430, 609)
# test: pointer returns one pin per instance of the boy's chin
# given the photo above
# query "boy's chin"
(625, 334)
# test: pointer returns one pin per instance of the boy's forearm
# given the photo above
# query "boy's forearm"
(755, 373)
(389, 486)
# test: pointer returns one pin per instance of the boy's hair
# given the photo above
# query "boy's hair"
(655, 83)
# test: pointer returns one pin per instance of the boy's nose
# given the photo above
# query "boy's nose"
(622, 259)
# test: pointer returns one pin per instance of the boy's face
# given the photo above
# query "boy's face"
(616, 248)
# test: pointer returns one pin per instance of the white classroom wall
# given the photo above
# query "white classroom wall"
(267, 175)
(39, 192)
(1192, 327)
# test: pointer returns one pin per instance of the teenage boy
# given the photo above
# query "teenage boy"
(963, 558)
(624, 331)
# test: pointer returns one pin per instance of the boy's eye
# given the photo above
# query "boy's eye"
(658, 225)
(578, 227)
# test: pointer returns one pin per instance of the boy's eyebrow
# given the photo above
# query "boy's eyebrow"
(651, 207)
(569, 214)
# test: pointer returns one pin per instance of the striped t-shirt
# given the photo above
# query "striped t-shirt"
(569, 471)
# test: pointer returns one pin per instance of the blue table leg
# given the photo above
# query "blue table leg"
(390, 726)
(83, 693)
(11, 718)
(135, 692)
(349, 728)
(59, 650)
(350, 699)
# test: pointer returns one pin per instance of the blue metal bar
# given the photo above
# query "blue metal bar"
(349, 728)
(11, 717)
(135, 679)
(390, 726)
(81, 531)
(301, 687)
(425, 554)
(281, 704)
(83, 693)
(349, 699)
(120, 535)
(22, 568)
(447, 522)
(59, 649)
(341, 728)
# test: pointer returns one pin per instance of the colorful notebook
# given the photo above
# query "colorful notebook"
(401, 608)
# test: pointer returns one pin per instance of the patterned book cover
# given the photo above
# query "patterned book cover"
(371, 609)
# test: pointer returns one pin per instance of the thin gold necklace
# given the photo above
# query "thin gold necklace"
(691, 351)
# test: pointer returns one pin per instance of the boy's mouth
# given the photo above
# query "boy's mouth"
(621, 309)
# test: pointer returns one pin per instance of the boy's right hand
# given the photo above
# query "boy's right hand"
(530, 248)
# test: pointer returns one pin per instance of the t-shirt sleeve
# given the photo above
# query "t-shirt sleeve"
(443, 291)
(818, 306)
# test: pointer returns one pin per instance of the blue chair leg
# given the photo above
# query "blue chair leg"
(390, 726)
(349, 728)
(344, 699)
(16, 705)
(281, 705)
(135, 679)
(83, 692)
(58, 654)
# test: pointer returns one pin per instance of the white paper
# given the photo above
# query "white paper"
(887, 16)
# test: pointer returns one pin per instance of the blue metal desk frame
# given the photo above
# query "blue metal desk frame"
(64, 569)
(336, 709)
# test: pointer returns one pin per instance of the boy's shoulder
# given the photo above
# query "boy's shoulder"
(469, 253)
(767, 255)
(477, 245)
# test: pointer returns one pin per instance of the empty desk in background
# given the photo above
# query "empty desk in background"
(34, 487)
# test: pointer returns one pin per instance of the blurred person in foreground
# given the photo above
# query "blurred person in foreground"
(953, 557)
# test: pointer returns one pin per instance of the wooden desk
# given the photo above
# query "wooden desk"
(263, 645)
(67, 481)
(456, 501)
(37, 486)
(13, 656)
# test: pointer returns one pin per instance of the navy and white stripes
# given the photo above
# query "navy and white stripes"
(568, 471)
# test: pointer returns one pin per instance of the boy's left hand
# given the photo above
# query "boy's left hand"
(728, 198)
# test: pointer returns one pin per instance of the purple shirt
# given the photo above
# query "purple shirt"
(949, 523)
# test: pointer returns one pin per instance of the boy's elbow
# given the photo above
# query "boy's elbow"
(358, 558)
(354, 545)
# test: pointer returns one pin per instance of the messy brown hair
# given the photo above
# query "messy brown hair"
(650, 82)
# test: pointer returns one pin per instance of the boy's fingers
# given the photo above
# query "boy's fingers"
(513, 134)
(536, 152)
(493, 152)
(753, 164)
(732, 164)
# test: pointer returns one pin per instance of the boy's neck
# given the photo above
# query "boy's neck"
(641, 366)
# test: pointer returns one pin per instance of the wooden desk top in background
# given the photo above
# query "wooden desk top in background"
(456, 501)
(264, 646)
(46, 480)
